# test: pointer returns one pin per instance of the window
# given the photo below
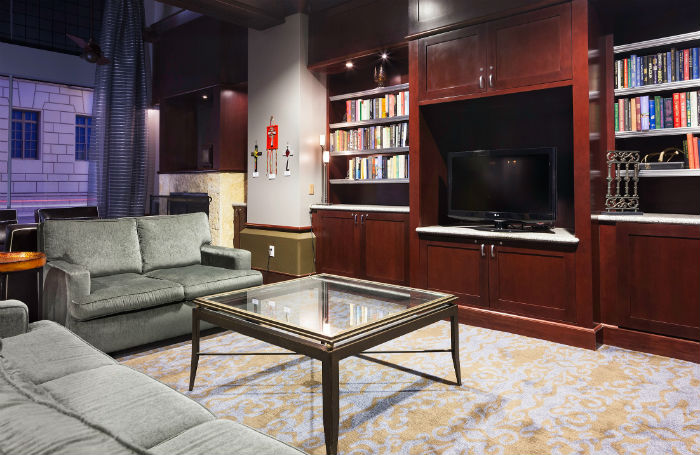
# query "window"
(83, 132)
(25, 134)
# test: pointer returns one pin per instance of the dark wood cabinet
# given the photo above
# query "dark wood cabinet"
(526, 49)
(537, 283)
(453, 63)
(531, 282)
(370, 245)
(532, 48)
(658, 267)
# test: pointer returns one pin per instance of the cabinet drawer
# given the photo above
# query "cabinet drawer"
(452, 63)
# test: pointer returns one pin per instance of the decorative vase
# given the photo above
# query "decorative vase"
(379, 75)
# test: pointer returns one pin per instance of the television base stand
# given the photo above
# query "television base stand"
(507, 226)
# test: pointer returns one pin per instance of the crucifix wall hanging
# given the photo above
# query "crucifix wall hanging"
(272, 133)
(256, 154)
(287, 154)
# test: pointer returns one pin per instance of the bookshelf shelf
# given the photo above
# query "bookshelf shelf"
(657, 132)
(386, 151)
(668, 86)
(659, 42)
(377, 121)
(670, 173)
(371, 92)
(366, 181)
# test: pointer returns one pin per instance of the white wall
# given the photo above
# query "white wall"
(280, 85)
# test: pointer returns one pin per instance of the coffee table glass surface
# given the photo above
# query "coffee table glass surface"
(325, 307)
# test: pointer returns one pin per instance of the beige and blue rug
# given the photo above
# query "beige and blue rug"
(519, 396)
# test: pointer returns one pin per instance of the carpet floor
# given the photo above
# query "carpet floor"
(519, 396)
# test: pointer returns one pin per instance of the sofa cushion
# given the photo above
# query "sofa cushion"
(172, 240)
(116, 294)
(32, 421)
(49, 351)
(221, 437)
(105, 247)
(200, 280)
(128, 403)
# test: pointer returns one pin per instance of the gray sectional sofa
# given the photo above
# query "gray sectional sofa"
(120, 283)
(59, 395)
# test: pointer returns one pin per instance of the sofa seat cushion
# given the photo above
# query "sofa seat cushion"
(32, 421)
(223, 437)
(172, 240)
(49, 351)
(104, 247)
(141, 410)
(124, 292)
(200, 280)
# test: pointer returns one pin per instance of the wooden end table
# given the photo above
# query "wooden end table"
(20, 261)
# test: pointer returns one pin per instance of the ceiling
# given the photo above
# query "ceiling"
(256, 14)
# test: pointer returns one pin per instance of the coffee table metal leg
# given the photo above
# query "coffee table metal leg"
(455, 345)
(331, 405)
(195, 346)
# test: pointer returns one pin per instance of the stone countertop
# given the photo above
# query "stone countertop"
(655, 218)
(362, 208)
(558, 236)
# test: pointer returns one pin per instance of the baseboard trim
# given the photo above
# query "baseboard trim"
(557, 332)
(677, 348)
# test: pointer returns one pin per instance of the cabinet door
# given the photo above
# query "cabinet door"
(531, 48)
(658, 274)
(337, 244)
(459, 269)
(537, 283)
(452, 63)
(385, 247)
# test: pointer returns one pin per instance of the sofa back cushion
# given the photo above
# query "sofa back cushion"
(172, 240)
(105, 247)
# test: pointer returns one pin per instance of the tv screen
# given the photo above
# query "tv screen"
(515, 185)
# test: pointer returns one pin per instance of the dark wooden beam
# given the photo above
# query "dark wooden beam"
(256, 14)
(177, 19)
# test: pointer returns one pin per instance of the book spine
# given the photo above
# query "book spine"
(658, 112)
(660, 59)
(638, 112)
(696, 64)
(667, 66)
(686, 64)
(617, 117)
(655, 69)
(625, 80)
(693, 109)
(668, 112)
(676, 110)
(691, 152)
(674, 66)
(696, 158)
(621, 110)
(652, 114)
(633, 70)
(644, 113)
(688, 111)
(683, 106)
(628, 114)
(698, 107)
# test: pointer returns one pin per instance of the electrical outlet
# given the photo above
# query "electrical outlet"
(271, 251)
(311, 188)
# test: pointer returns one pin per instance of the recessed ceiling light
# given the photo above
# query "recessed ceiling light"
(385, 56)
(348, 64)
(204, 97)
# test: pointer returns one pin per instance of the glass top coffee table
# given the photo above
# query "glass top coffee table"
(327, 318)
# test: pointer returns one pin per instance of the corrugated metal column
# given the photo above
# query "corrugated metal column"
(9, 140)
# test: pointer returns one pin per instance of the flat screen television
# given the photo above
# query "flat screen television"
(502, 186)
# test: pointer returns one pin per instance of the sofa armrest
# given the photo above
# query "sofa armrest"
(64, 283)
(14, 317)
(228, 258)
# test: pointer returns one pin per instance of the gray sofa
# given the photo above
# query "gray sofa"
(59, 395)
(120, 283)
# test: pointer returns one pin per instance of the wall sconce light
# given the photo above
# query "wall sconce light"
(325, 158)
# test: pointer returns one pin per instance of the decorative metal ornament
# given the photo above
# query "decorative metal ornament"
(623, 179)
(379, 75)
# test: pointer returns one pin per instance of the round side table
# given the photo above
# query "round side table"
(19, 261)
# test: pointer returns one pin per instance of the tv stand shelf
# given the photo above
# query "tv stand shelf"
(557, 236)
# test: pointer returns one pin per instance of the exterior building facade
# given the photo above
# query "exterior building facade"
(48, 122)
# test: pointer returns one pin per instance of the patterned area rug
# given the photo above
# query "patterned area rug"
(519, 396)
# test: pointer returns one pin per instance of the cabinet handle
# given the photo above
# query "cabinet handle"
(354, 216)
(362, 219)
(481, 81)
(483, 254)
(493, 251)
(490, 80)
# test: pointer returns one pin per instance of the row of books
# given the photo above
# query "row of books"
(655, 112)
(370, 138)
(378, 167)
(390, 105)
(670, 66)
(690, 147)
